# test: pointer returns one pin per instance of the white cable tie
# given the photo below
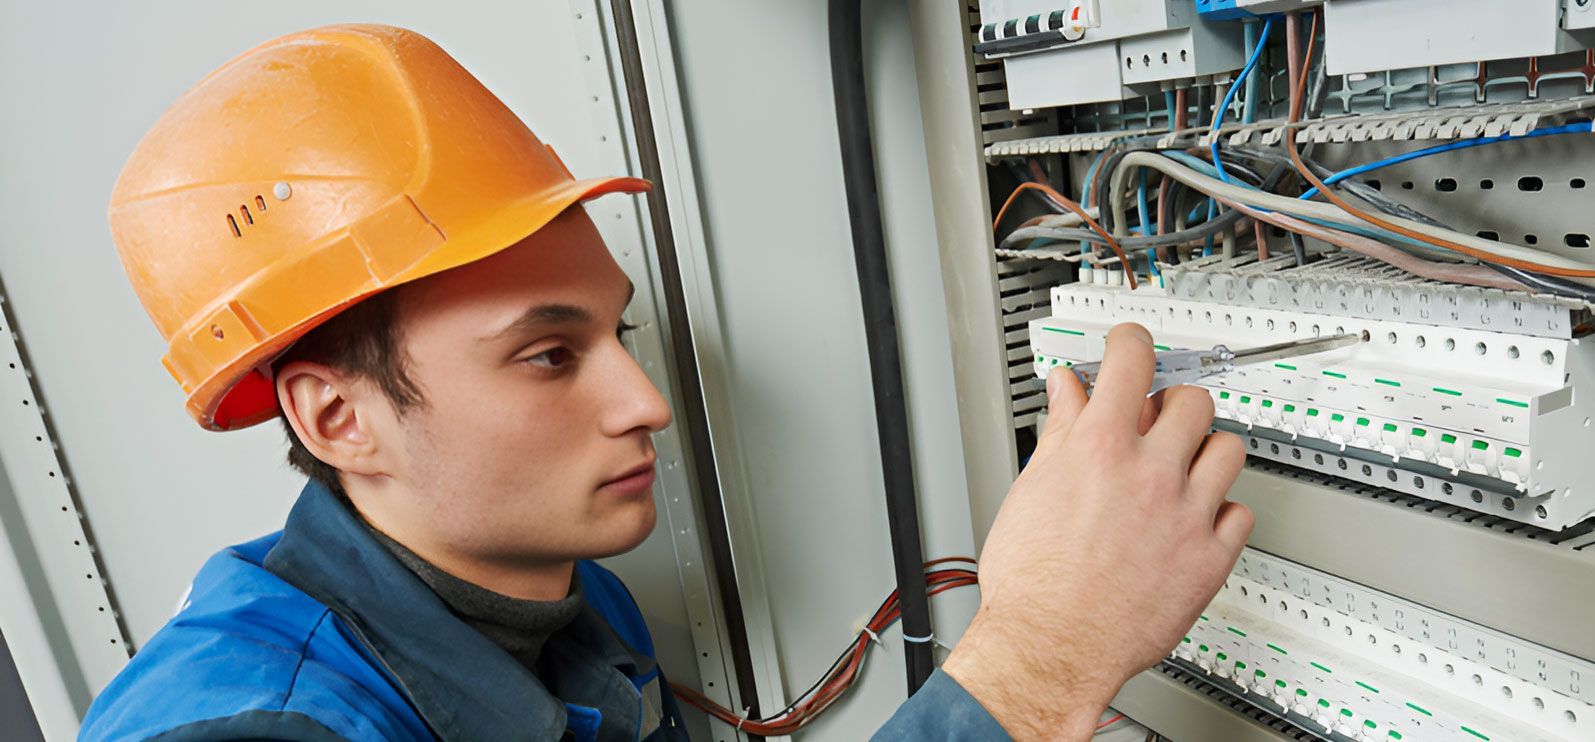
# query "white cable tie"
(928, 638)
(743, 719)
(873, 637)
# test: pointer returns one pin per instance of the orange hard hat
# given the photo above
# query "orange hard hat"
(311, 172)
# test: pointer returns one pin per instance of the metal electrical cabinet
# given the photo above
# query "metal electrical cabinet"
(1418, 568)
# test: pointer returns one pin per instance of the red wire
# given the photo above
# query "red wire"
(1110, 722)
(841, 678)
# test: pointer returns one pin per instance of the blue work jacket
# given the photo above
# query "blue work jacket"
(317, 632)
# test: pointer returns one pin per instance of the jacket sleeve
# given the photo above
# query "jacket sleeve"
(941, 710)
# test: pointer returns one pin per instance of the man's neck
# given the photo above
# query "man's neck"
(525, 580)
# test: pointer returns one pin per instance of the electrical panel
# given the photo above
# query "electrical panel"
(1454, 139)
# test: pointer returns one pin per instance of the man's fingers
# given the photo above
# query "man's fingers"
(1125, 377)
(1065, 399)
(1213, 472)
(1183, 423)
(1232, 526)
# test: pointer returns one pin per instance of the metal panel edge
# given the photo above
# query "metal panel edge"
(1178, 711)
(964, 245)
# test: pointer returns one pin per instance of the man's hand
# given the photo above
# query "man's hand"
(1109, 545)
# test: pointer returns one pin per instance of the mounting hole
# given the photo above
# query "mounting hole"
(1531, 239)
(1548, 358)
(1445, 185)
(1273, 448)
(1423, 659)
(1341, 463)
(1450, 344)
(1367, 470)
(216, 332)
(1478, 679)
(1391, 338)
(1318, 458)
(1489, 234)
(1418, 483)
(1326, 623)
(1390, 474)
(1539, 704)
(1576, 240)
(1530, 183)
(1577, 183)
(1509, 504)
(1449, 670)
(1446, 488)
(1511, 352)
(1477, 496)
(1254, 443)
(1571, 717)
(1540, 512)
(1480, 348)
(1486, 184)
(1420, 341)
(1406, 185)
(1184, 54)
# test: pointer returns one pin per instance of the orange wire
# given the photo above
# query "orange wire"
(1296, 95)
(1129, 271)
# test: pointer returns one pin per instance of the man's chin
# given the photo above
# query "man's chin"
(627, 530)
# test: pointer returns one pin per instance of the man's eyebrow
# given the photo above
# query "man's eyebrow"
(543, 314)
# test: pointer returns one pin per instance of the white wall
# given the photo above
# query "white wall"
(78, 88)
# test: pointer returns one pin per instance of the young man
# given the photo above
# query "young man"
(343, 228)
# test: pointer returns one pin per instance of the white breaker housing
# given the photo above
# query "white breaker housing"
(1482, 419)
(1344, 661)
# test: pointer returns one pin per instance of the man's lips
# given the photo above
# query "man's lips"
(635, 481)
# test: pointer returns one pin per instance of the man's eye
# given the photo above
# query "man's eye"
(554, 358)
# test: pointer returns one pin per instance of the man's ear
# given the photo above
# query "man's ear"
(332, 413)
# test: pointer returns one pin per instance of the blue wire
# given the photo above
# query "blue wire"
(1168, 102)
(1352, 172)
(1229, 97)
(1143, 209)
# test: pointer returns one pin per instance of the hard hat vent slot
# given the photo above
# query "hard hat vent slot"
(244, 214)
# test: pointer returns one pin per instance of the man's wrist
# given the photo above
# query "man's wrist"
(1030, 699)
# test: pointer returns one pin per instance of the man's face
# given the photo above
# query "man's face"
(533, 441)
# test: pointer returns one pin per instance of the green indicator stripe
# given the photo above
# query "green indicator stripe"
(1369, 723)
(1513, 452)
(1278, 649)
(1395, 734)
(1513, 402)
(1203, 617)
(1039, 359)
(1301, 692)
(1387, 382)
(1481, 446)
(1366, 686)
(1312, 412)
(1321, 667)
(1447, 438)
(1279, 683)
(1346, 713)
(1451, 392)
(1390, 427)
(1235, 631)
(1240, 665)
(1335, 374)
(1245, 399)
(1290, 408)
(1260, 674)
(1419, 709)
(1285, 366)
(1476, 734)
(1222, 656)
(1155, 346)
(1324, 702)
(1201, 647)
(1268, 403)
(1337, 417)
(1362, 422)
(1062, 331)
(1187, 640)
(1419, 432)
(1223, 395)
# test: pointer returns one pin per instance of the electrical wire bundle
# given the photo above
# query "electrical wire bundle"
(844, 672)
(1205, 195)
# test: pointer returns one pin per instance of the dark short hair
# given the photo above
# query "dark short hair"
(363, 341)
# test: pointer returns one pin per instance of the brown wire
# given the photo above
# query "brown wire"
(1113, 244)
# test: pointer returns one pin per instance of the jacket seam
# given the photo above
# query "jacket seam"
(304, 649)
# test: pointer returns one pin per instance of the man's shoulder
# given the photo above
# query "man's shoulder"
(249, 655)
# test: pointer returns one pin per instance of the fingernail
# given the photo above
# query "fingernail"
(1052, 384)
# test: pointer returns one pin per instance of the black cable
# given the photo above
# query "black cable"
(880, 331)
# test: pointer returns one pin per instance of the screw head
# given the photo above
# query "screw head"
(282, 190)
